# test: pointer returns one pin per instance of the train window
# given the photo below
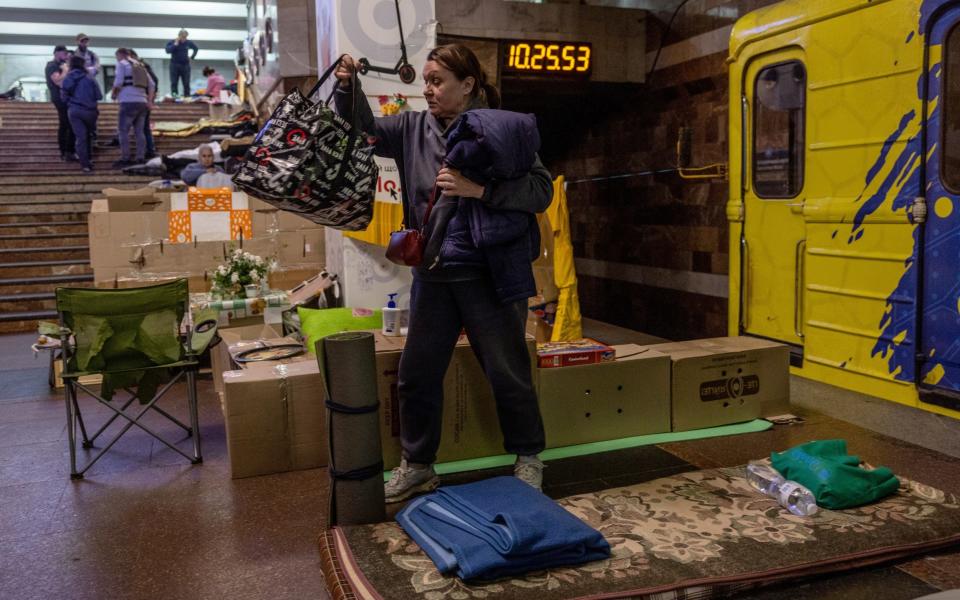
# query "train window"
(950, 165)
(778, 139)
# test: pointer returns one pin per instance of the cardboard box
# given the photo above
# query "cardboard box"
(275, 419)
(305, 246)
(567, 354)
(137, 200)
(267, 218)
(291, 277)
(310, 289)
(470, 426)
(90, 380)
(721, 381)
(220, 360)
(114, 235)
(607, 400)
(538, 329)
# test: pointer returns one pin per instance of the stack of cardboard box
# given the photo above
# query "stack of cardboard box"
(276, 420)
(128, 246)
(288, 397)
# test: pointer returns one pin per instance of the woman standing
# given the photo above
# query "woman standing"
(462, 292)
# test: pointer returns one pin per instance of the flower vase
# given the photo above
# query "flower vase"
(252, 290)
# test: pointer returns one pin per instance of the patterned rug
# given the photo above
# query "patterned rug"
(694, 535)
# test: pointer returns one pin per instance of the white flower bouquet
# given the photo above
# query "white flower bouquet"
(241, 269)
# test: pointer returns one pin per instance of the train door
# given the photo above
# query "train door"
(940, 300)
(774, 105)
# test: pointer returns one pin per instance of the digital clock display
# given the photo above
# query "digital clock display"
(546, 58)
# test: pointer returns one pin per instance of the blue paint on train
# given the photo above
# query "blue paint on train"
(897, 340)
(939, 342)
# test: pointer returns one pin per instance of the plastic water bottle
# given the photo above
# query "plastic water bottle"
(790, 494)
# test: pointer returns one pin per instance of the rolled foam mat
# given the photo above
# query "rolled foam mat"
(349, 370)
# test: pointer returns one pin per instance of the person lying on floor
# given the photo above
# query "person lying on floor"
(204, 165)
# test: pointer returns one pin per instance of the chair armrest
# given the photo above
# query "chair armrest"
(204, 331)
(49, 329)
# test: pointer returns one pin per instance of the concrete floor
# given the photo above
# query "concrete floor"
(145, 524)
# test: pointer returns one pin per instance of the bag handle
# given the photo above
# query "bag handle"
(326, 75)
(355, 117)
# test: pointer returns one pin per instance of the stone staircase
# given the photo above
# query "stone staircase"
(44, 204)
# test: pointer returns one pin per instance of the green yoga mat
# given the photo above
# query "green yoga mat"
(502, 460)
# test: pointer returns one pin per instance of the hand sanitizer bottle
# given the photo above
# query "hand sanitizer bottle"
(391, 317)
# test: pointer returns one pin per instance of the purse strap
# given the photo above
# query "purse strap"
(426, 215)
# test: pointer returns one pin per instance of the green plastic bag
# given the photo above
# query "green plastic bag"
(835, 477)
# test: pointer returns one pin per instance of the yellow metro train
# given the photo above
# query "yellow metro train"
(844, 205)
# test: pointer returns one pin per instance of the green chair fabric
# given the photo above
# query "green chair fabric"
(124, 334)
(132, 338)
(836, 478)
(117, 330)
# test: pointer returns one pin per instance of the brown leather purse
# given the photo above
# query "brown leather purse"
(406, 245)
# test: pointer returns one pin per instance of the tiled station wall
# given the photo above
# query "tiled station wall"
(652, 250)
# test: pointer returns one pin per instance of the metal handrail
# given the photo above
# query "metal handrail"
(798, 289)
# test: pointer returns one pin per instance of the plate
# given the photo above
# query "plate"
(270, 353)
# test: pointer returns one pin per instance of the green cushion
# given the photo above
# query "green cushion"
(316, 324)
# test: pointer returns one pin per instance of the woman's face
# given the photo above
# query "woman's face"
(446, 95)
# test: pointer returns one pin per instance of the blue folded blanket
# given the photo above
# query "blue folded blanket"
(498, 527)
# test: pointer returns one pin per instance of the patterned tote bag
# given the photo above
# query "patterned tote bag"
(309, 160)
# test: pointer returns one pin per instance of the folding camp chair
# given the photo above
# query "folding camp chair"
(138, 341)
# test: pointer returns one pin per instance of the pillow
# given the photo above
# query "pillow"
(316, 324)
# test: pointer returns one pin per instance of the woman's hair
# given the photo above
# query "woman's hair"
(463, 63)
(77, 62)
(122, 53)
(208, 71)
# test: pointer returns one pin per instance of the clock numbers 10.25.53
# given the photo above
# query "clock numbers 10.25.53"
(560, 58)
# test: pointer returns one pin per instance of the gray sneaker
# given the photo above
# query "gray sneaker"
(529, 469)
(406, 481)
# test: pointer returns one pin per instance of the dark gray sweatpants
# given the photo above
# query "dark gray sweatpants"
(438, 311)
